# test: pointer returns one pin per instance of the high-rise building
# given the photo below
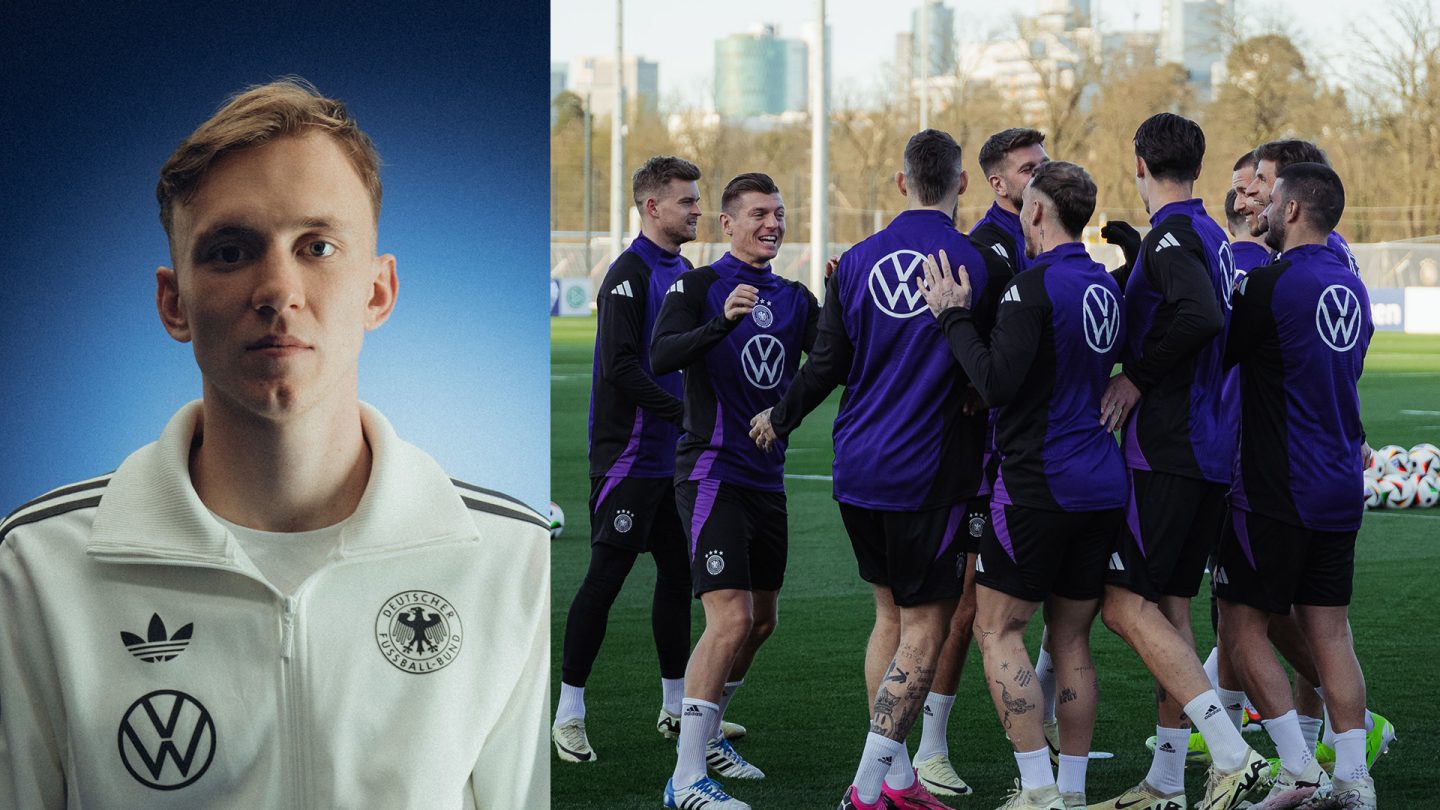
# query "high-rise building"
(1191, 36)
(938, 25)
(759, 73)
(595, 75)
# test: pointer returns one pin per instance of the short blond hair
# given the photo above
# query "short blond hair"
(258, 115)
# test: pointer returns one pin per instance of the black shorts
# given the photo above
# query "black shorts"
(1033, 553)
(636, 514)
(1270, 565)
(1169, 532)
(737, 536)
(915, 554)
(977, 520)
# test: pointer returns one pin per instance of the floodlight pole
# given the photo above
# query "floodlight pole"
(924, 64)
(589, 180)
(819, 153)
(617, 138)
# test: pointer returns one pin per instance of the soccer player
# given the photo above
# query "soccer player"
(737, 330)
(1008, 158)
(1272, 158)
(907, 456)
(634, 419)
(1060, 487)
(279, 603)
(1299, 335)
(1249, 250)
(1179, 449)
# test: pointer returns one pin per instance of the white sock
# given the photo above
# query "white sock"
(1045, 674)
(696, 717)
(875, 761)
(1072, 773)
(1212, 668)
(1227, 749)
(901, 774)
(1310, 731)
(1035, 768)
(1369, 721)
(725, 696)
(1233, 701)
(1350, 755)
(672, 692)
(932, 727)
(1285, 731)
(1167, 766)
(571, 704)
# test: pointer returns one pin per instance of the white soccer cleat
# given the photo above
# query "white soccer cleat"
(1042, 798)
(1225, 790)
(939, 777)
(1074, 801)
(1292, 790)
(1145, 797)
(723, 759)
(706, 794)
(571, 744)
(1052, 741)
(1346, 795)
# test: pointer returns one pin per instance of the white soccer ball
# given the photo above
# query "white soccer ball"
(1374, 498)
(1397, 490)
(1393, 459)
(557, 520)
(1372, 473)
(1427, 489)
(1424, 458)
(1375, 466)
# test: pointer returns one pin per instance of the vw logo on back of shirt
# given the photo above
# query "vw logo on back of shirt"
(1229, 275)
(763, 358)
(1337, 317)
(894, 286)
(1102, 318)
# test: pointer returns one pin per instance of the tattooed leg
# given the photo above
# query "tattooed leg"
(904, 685)
(1069, 623)
(1000, 622)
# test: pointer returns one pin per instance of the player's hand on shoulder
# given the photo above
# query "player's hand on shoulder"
(761, 431)
(831, 265)
(940, 286)
(741, 302)
(1119, 398)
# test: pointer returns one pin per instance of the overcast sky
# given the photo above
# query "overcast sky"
(681, 36)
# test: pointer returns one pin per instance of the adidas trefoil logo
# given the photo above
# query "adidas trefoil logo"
(1168, 240)
(623, 288)
(157, 646)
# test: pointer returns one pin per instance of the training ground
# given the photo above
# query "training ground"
(804, 699)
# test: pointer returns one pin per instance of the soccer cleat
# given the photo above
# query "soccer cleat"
(1250, 721)
(1196, 753)
(1291, 790)
(1225, 790)
(915, 797)
(850, 801)
(706, 794)
(723, 759)
(1346, 795)
(1052, 741)
(669, 727)
(1074, 801)
(570, 741)
(668, 724)
(1377, 740)
(937, 775)
(1041, 798)
(1144, 797)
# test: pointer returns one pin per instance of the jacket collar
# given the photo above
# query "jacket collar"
(150, 508)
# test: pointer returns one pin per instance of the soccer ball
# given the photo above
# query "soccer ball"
(1373, 497)
(557, 520)
(1427, 489)
(1374, 467)
(1397, 490)
(1424, 458)
(1372, 473)
(1393, 459)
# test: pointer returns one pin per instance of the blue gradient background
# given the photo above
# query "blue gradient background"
(95, 101)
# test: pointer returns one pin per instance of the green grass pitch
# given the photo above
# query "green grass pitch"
(804, 699)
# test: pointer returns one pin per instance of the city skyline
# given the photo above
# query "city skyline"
(863, 37)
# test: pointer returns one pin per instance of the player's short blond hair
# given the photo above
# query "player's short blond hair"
(258, 115)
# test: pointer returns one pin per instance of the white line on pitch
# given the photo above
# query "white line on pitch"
(810, 477)
(1420, 413)
(1399, 513)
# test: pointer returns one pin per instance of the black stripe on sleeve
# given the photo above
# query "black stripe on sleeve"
(528, 516)
(58, 509)
(60, 493)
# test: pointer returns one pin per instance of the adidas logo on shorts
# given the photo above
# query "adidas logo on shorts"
(1115, 564)
(1221, 577)
(979, 564)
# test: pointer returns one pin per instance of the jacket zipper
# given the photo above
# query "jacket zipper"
(290, 705)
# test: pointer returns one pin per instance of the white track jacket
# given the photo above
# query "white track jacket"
(145, 663)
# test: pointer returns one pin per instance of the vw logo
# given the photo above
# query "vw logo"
(167, 740)
(762, 359)
(1337, 317)
(893, 285)
(1102, 318)
(1227, 272)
